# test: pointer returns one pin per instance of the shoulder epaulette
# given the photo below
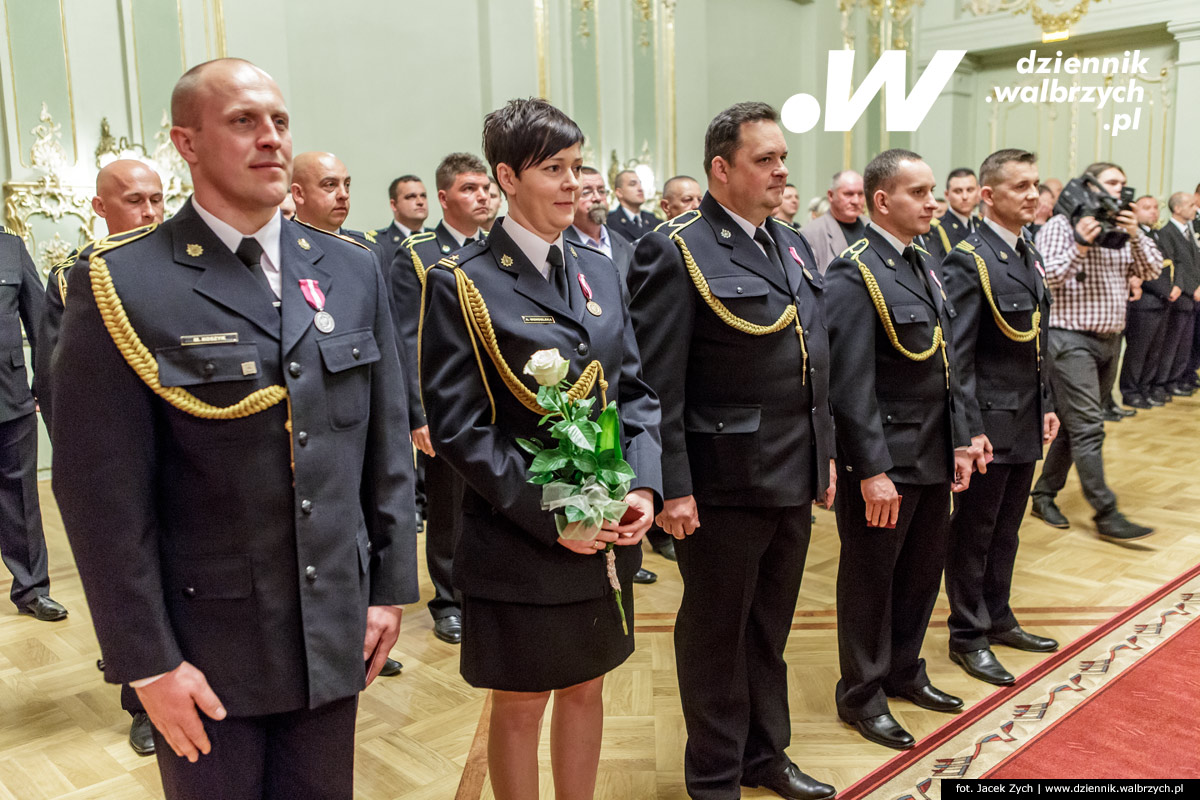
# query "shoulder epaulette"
(965, 246)
(6, 230)
(369, 236)
(855, 250)
(676, 224)
(791, 228)
(416, 238)
(58, 274)
(115, 240)
(354, 242)
(447, 263)
(935, 222)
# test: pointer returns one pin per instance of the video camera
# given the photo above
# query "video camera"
(1086, 197)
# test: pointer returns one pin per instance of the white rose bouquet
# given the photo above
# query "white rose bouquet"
(584, 476)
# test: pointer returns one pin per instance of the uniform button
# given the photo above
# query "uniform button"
(209, 369)
(739, 290)
(889, 417)
(849, 468)
(582, 349)
(370, 548)
(306, 506)
(295, 369)
(912, 317)
(720, 426)
(310, 572)
(356, 353)
(302, 438)
(189, 591)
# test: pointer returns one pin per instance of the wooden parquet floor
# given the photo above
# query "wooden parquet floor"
(63, 733)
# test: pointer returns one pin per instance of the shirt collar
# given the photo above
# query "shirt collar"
(533, 246)
(966, 221)
(404, 232)
(585, 238)
(629, 215)
(1008, 236)
(459, 237)
(889, 238)
(1183, 227)
(267, 236)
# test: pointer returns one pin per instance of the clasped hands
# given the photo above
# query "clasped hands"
(615, 532)
(883, 501)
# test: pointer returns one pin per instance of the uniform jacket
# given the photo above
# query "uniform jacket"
(21, 300)
(743, 423)
(1155, 292)
(622, 250)
(416, 255)
(1005, 389)
(508, 550)
(893, 414)
(389, 238)
(1185, 256)
(947, 231)
(826, 238)
(621, 224)
(48, 335)
(368, 240)
(194, 537)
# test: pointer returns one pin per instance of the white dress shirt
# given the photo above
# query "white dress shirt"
(267, 236)
(535, 248)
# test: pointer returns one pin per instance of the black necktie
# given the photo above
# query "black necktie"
(914, 260)
(760, 236)
(250, 253)
(558, 273)
(468, 240)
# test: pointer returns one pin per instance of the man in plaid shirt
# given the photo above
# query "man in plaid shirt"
(1089, 286)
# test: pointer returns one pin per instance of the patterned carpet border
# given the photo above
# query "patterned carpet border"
(990, 731)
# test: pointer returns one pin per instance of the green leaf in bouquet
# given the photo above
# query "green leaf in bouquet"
(610, 431)
(549, 460)
(585, 462)
(575, 514)
(541, 480)
(582, 435)
(548, 397)
(531, 446)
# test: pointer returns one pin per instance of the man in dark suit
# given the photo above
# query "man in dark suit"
(1178, 245)
(462, 184)
(236, 493)
(22, 542)
(902, 443)
(995, 283)
(1145, 320)
(962, 195)
(589, 229)
(410, 208)
(628, 219)
(727, 303)
(843, 224)
(129, 195)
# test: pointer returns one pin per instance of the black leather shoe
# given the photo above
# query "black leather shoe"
(932, 699)
(1019, 639)
(795, 785)
(983, 666)
(448, 628)
(1115, 528)
(141, 734)
(886, 731)
(1045, 510)
(1137, 401)
(644, 576)
(1111, 415)
(391, 668)
(666, 550)
(1124, 412)
(1160, 395)
(45, 609)
(1182, 391)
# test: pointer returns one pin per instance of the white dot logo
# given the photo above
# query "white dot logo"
(800, 113)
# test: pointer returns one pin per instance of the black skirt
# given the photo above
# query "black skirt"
(519, 647)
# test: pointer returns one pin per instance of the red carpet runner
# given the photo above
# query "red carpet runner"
(1142, 724)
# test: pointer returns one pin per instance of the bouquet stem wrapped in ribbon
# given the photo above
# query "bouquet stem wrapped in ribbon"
(583, 475)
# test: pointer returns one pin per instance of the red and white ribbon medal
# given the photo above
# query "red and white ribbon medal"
(1040, 270)
(316, 298)
(796, 257)
(592, 306)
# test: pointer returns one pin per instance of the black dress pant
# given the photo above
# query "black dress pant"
(299, 754)
(982, 551)
(741, 575)
(22, 542)
(1176, 350)
(1144, 332)
(443, 526)
(887, 583)
(1194, 356)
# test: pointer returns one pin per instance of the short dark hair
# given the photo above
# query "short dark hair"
(1043, 188)
(1095, 168)
(789, 186)
(724, 134)
(617, 179)
(394, 186)
(882, 170)
(586, 170)
(989, 170)
(959, 172)
(457, 164)
(526, 132)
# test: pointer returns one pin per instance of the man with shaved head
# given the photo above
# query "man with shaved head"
(321, 191)
(237, 498)
(129, 195)
(679, 195)
(841, 226)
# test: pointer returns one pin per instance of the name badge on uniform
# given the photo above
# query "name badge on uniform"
(532, 320)
(209, 338)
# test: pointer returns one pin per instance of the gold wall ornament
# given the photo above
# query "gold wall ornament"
(47, 151)
(1052, 16)
(585, 8)
(111, 148)
(644, 11)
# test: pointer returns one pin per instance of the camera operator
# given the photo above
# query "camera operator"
(1089, 285)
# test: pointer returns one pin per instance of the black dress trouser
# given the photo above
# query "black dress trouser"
(22, 542)
(443, 526)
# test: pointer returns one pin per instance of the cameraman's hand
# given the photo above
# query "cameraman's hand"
(1088, 229)
(1128, 222)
